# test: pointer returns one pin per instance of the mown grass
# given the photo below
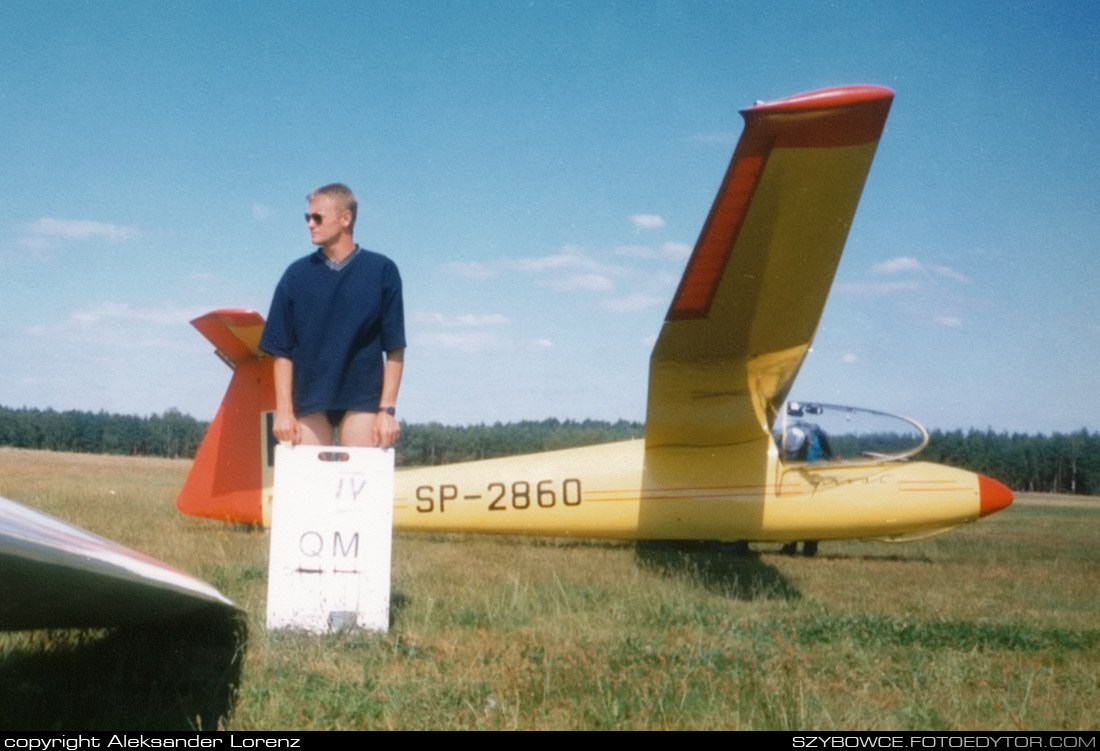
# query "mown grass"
(993, 626)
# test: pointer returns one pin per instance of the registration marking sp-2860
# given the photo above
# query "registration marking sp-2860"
(502, 496)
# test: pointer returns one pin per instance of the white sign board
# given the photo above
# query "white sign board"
(331, 534)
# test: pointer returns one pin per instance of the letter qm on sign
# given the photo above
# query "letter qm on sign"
(331, 537)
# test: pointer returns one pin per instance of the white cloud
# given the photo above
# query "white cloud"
(487, 319)
(632, 303)
(849, 358)
(635, 251)
(470, 269)
(587, 273)
(116, 330)
(595, 282)
(84, 319)
(875, 289)
(905, 264)
(949, 273)
(678, 251)
(75, 229)
(570, 257)
(33, 242)
(466, 333)
(947, 321)
(721, 138)
(897, 265)
(647, 221)
(464, 320)
(477, 341)
(472, 341)
(260, 212)
(669, 251)
(162, 315)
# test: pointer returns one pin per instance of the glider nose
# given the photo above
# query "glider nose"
(994, 496)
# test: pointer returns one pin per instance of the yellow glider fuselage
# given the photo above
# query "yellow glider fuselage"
(618, 491)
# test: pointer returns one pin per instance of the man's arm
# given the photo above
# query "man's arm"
(286, 427)
(386, 428)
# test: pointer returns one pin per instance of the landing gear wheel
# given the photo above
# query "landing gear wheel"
(791, 548)
(734, 547)
(809, 548)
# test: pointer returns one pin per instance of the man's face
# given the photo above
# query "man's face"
(326, 220)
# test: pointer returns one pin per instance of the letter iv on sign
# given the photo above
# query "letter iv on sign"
(331, 534)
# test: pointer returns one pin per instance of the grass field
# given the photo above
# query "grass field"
(993, 626)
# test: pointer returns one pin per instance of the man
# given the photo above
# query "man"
(334, 314)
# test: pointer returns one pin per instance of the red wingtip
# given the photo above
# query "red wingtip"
(826, 98)
(994, 495)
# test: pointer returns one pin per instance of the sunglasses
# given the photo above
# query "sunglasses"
(316, 218)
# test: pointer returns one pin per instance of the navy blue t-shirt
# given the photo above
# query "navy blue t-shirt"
(334, 323)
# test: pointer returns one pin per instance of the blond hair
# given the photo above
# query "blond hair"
(343, 197)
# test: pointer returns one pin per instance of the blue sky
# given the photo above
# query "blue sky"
(539, 171)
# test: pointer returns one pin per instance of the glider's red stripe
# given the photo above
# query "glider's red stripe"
(847, 116)
(708, 261)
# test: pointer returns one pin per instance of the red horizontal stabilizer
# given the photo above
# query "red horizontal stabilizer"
(234, 332)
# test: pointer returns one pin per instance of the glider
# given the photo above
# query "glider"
(719, 460)
(56, 575)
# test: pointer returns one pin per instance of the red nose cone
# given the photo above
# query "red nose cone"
(994, 495)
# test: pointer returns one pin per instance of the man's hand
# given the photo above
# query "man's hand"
(287, 428)
(386, 430)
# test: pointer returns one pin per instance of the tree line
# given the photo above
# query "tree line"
(432, 443)
(1061, 463)
(173, 435)
(170, 434)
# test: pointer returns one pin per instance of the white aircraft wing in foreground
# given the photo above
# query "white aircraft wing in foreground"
(55, 575)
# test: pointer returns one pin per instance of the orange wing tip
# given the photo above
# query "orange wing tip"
(844, 116)
(994, 496)
(825, 99)
(830, 118)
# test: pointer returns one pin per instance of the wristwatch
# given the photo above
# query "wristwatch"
(391, 411)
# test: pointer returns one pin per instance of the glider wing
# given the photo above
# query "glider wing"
(56, 575)
(754, 288)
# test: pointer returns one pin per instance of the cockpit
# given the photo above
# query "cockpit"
(814, 432)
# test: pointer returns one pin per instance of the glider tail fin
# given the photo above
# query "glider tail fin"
(231, 476)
